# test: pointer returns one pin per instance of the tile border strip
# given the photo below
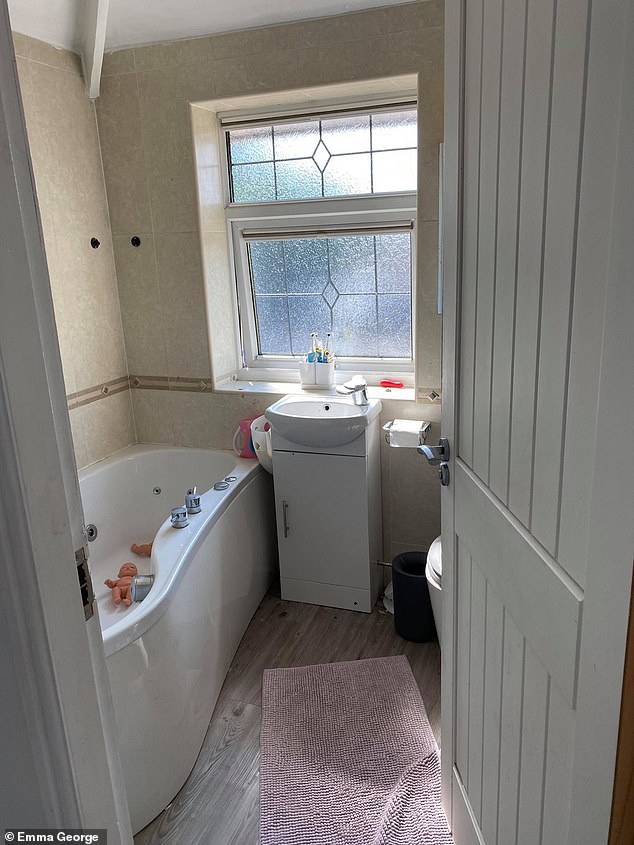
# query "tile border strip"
(187, 384)
(98, 391)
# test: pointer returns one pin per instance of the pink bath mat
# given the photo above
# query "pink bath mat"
(348, 756)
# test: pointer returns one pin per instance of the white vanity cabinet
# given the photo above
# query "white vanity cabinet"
(329, 529)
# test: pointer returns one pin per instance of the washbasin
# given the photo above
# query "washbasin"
(320, 421)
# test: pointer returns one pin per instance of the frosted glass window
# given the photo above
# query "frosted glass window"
(394, 171)
(249, 145)
(254, 182)
(348, 174)
(335, 156)
(355, 286)
(298, 179)
(394, 131)
(296, 140)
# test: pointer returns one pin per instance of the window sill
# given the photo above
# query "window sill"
(406, 394)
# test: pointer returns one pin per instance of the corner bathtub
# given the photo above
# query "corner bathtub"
(167, 657)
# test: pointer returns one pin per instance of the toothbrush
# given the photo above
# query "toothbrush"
(327, 353)
(313, 354)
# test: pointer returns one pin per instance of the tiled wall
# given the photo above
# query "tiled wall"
(147, 154)
(72, 199)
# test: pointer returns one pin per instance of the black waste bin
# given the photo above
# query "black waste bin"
(413, 615)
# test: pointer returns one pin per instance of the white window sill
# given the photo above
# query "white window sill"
(406, 394)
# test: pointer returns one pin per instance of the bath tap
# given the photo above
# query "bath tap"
(357, 389)
(192, 501)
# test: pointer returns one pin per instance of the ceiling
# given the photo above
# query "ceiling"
(131, 22)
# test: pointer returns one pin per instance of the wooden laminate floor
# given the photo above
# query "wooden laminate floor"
(218, 805)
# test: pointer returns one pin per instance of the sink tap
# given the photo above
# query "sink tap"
(356, 389)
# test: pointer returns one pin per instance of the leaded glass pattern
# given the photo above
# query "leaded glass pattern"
(356, 286)
(331, 157)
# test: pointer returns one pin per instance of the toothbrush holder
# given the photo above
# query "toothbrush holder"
(325, 374)
(307, 374)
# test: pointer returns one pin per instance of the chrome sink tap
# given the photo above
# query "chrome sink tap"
(356, 389)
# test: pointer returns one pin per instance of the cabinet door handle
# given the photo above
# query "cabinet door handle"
(285, 517)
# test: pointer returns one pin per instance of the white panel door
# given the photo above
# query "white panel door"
(537, 148)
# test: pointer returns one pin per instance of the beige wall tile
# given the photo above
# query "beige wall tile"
(155, 412)
(415, 499)
(20, 44)
(121, 61)
(121, 137)
(415, 17)
(108, 425)
(92, 307)
(174, 54)
(140, 302)
(66, 157)
(47, 54)
(183, 304)
(342, 29)
(79, 440)
(253, 72)
(63, 137)
(268, 39)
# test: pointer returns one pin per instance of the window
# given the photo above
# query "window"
(321, 212)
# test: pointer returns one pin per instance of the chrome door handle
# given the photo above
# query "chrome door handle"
(436, 454)
(285, 518)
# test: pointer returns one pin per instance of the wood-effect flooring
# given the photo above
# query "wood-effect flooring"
(218, 805)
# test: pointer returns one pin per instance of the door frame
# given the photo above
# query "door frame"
(62, 762)
(608, 160)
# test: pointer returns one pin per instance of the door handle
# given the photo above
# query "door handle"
(436, 454)
(285, 517)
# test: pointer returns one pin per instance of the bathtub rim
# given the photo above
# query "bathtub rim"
(173, 548)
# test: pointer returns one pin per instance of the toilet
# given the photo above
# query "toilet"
(433, 572)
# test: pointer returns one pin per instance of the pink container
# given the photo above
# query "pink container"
(242, 443)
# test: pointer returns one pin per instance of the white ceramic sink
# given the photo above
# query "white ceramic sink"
(320, 420)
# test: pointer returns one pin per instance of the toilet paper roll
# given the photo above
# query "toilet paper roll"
(405, 433)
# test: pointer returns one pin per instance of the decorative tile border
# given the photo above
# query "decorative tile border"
(118, 385)
(183, 383)
(99, 391)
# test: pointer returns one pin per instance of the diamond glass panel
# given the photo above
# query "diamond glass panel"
(330, 294)
(321, 156)
(357, 154)
(356, 286)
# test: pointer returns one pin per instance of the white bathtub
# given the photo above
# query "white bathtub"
(167, 657)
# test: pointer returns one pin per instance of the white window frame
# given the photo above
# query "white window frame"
(281, 216)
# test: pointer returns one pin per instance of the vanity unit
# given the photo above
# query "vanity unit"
(327, 476)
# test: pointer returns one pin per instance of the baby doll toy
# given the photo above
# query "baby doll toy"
(121, 587)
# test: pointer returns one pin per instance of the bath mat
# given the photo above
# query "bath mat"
(348, 756)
